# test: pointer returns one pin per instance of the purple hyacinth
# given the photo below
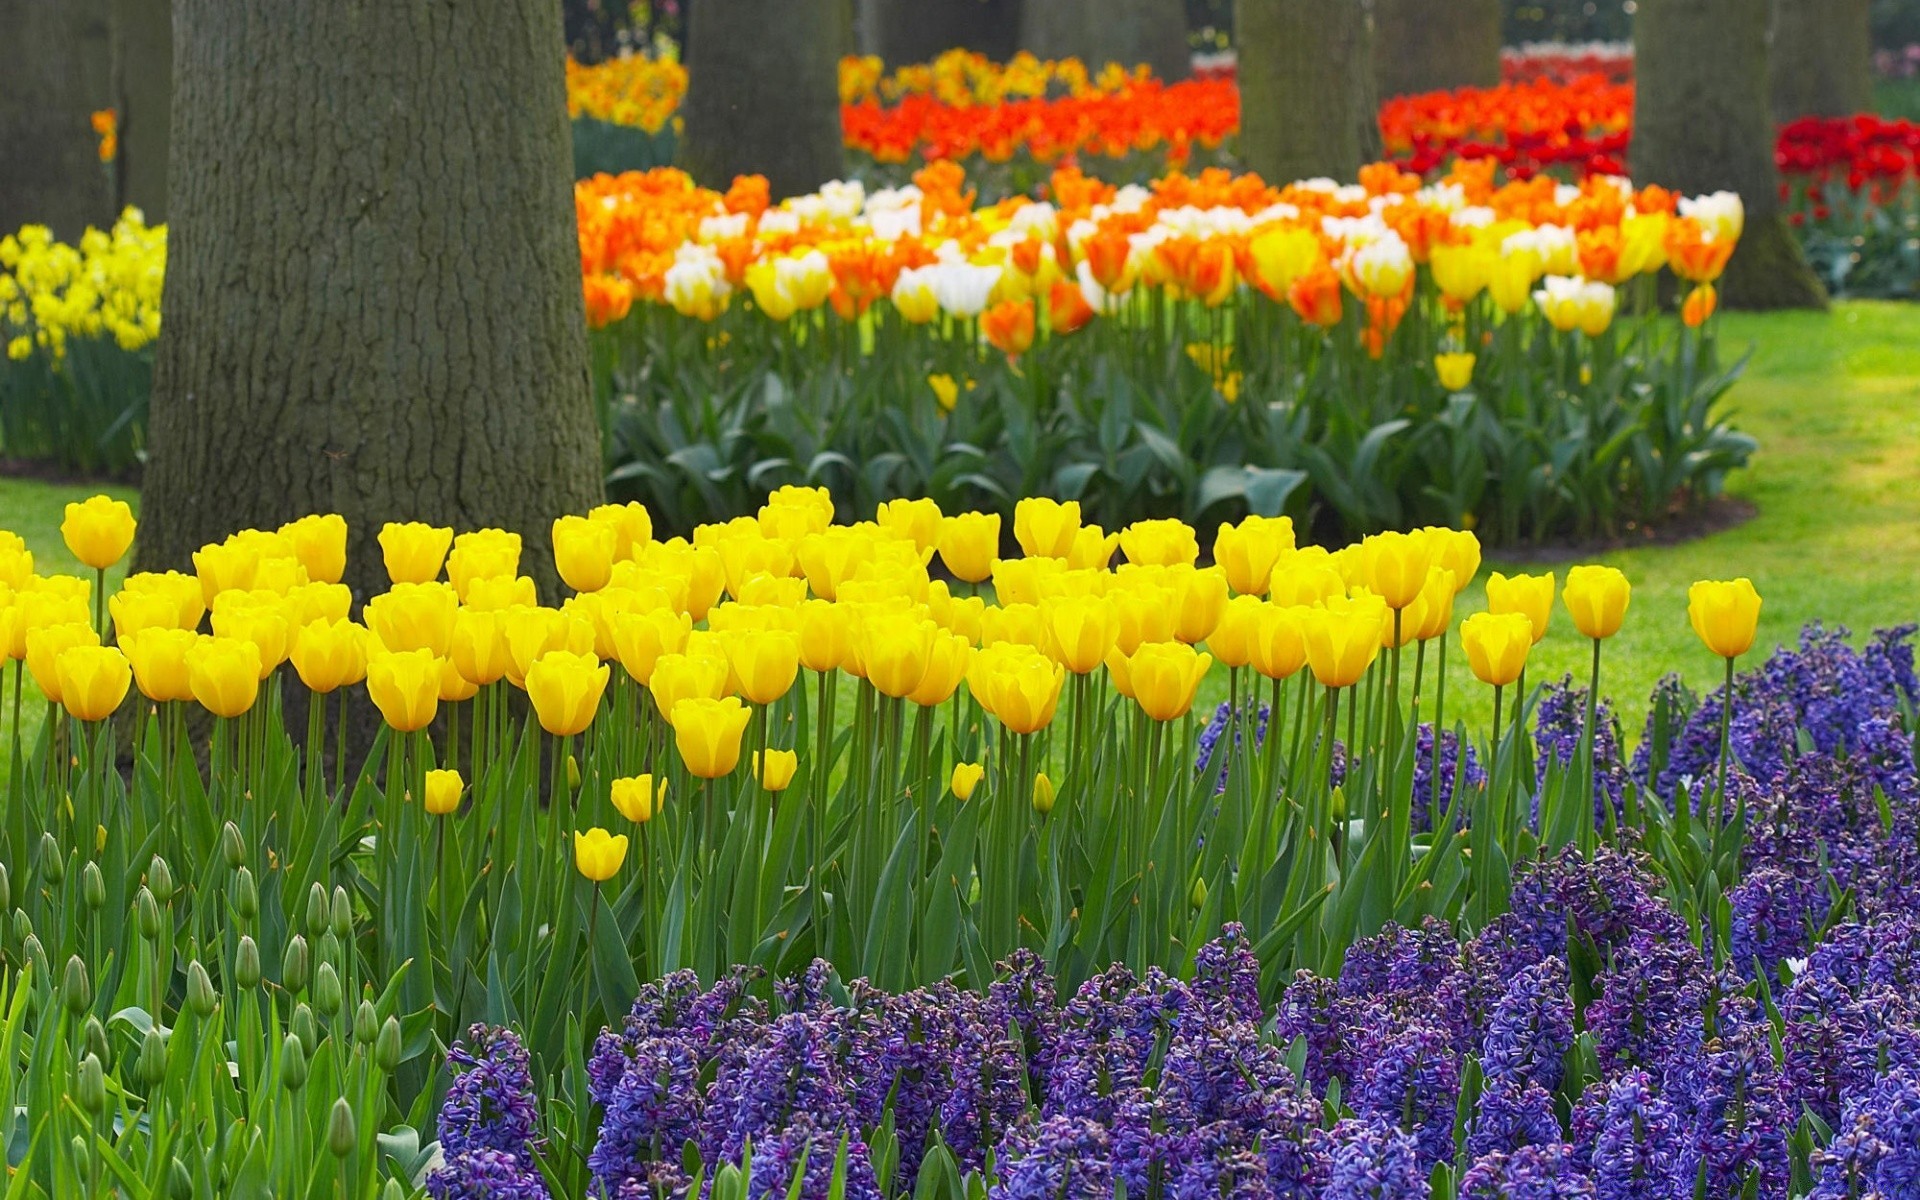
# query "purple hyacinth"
(806, 1151)
(1876, 1148)
(1061, 1158)
(1425, 810)
(1531, 1027)
(1512, 1113)
(1733, 1104)
(1631, 1137)
(1560, 722)
(1217, 725)
(1410, 1075)
(1774, 916)
(484, 1174)
(651, 1113)
(1529, 1173)
(791, 1072)
(1370, 1160)
(490, 1103)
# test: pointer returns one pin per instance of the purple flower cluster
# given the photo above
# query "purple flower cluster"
(489, 1124)
(1425, 810)
(1560, 722)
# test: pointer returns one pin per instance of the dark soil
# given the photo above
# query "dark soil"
(52, 472)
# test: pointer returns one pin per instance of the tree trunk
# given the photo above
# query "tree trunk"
(1701, 123)
(1435, 45)
(916, 31)
(1822, 58)
(763, 93)
(143, 94)
(1307, 100)
(1098, 32)
(55, 79)
(373, 301)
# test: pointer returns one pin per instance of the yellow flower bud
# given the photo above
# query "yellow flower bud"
(443, 792)
(1596, 599)
(775, 769)
(414, 551)
(966, 777)
(98, 530)
(707, 734)
(1497, 645)
(597, 854)
(1725, 614)
(636, 799)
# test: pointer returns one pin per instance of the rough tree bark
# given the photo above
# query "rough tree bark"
(763, 93)
(1431, 45)
(1103, 31)
(1701, 123)
(373, 301)
(55, 78)
(1822, 58)
(143, 94)
(914, 31)
(1307, 99)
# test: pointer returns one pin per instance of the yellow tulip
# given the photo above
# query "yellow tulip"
(597, 855)
(98, 530)
(946, 669)
(823, 635)
(414, 551)
(224, 675)
(1081, 629)
(1497, 645)
(46, 644)
(159, 660)
(969, 545)
(1279, 641)
(500, 592)
(764, 662)
(1725, 614)
(412, 616)
(640, 638)
(533, 632)
(1455, 370)
(583, 552)
(310, 602)
(707, 734)
(1020, 687)
(443, 788)
(1596, 599)
(16, 561)
(484, 554)
(1043, 794)
(1165, 543)
(1530, 595)
(1432, 614)
(1248, 551)
(329, 655)
(93, 681)
(1395, 566)
(1092, 549)
(966, 777)
(320, 543)
(134, 611)
(224, 566)
(405, 686)
(831, 557)
(1305, 577)
(478, 648)
(895, 650)
(636, 799)
(1343, 638)
(632, 527)
(1456, 550)
(1147, 612)
(1045, 528)
(775, 770)
(1203, 598)
(916, 520)
(687, 675)
(259, 617)
(183, 591)
(565, 689)
(1231, 641)
(1164, 677)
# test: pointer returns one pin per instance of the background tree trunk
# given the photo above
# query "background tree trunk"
(1822, 58)
(915, 31)
(373, 302)
(143, 94)
(1431, 45)
(1701, 123)
(763, 93)
(1307, 100)
(1098, 32)
(55, 78)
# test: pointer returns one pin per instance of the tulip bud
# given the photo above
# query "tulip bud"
(90, 1085)
(327, 949)
(179, 1183)
(366, 1023)
(201, 997)
(233, 847)
(342, 917)
(1197, 894)
(93, 1035)
(246, 894)
(326, 988)
(296, 966)
(293, 1063)
(341, 1135)
(75, 991)
(82, 1153)
(151, 1067)
(393, 1190)
(1043, 794)
(6, 888)
(160, 879)
(53, 865)
(93, 887)
(573, 773)
(386, 1047)
(305, 1027)
(316, 910)
(36, 955)
(146, 912)
(246, 963)
(22, 925)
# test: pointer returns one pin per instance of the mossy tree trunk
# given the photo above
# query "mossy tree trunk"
(143, 94)
(1702, 123)
(1822, 58)
(763, 92)
(1435, 45)
(1307, 98)
(915, 31)
(1098, 32)
(54, 80)
(373, 301)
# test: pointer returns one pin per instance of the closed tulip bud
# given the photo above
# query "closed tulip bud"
(6, 888)
(326, 988)
(823, 635)
(233, 846)
(1164, 678)
(246, 963)
(246, 894)
(597, 855)
(93, 681)
(405, 687)
(366, 1023)
(146, 914)
(320, 543)
(1395, 566)
(635, 798)
(1203, 598)
(573, 773)
(224, 675)
(316, 910)
(305, 1027)
(36, 955)
(1343, 638)
(158, 658)
(916, 520)
(1045, 528)
(583, 552)
(201, 997)
(765, 662)
(1529, 595)
(707, 734)
(53, 863)
(443, 792)
(93, 887)
(76, 992)
(341, 1135)
(1725, 615)
(414, 551)
(340, 914)
(1248, 551)
(296, 964)
(1596, 599)
(151, 1066)
(80, 1151)
(93, 1036)
(1497, 646)
(778, 771)
(1232, 640)
(479, 646)
(1168, 542)
(565, 689)
(160, 879)
(90, 1084)
(179, 1183)
(387, 1046)
(1081, 630)
(966, 777)
(98, 531)
(969, 545)
(1197, 894)
(22, 925)
(293, 1063)
(1043, 794)
(46, 646)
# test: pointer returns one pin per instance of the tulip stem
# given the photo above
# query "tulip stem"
(1592, 768)
(1726, 741)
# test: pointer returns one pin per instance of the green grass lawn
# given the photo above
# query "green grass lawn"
(1834, 400)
